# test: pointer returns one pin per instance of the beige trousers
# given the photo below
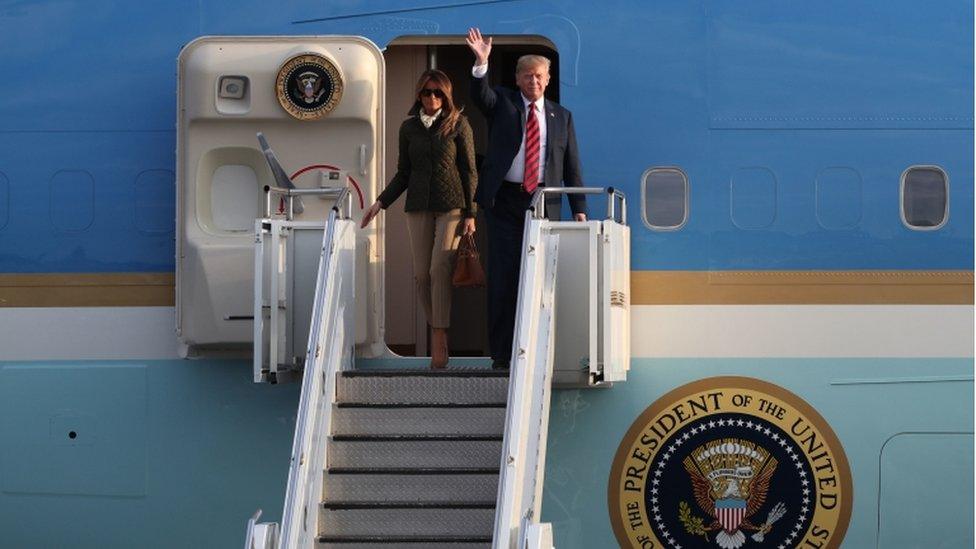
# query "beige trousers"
(433, 239)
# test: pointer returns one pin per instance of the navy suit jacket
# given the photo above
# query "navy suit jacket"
(505, 111)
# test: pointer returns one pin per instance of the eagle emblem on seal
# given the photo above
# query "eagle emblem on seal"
(309, 89)
(308, 86)
(730, 480)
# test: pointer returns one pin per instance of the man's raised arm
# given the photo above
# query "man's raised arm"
(484, 97)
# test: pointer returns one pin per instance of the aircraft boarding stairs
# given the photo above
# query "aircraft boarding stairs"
(416, 458)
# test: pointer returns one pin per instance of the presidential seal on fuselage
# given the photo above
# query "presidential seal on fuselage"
(730, 463)
(308, 86)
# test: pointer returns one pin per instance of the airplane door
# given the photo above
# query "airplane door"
(319, 100)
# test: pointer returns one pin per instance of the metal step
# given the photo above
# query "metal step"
(383, 387)
(413, 488)
(413, 470)
(408, 452)
(406, 522)
(397, 420)
(413, 459)
(404, 542)
(427, 372)
(410, 505)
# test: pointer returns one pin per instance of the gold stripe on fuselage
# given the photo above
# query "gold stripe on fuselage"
(801, 287)
(88, 290)
(647, 288)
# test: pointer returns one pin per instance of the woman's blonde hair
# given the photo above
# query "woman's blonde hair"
(450, 112)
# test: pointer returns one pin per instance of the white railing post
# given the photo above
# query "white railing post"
(539, 536)
(261, 535)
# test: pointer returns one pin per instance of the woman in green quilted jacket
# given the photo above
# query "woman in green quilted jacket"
(436, 168)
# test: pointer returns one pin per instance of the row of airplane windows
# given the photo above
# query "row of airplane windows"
(665, 191)
(74, 194)
(924, 198)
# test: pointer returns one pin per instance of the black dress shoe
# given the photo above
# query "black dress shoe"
(500, 364)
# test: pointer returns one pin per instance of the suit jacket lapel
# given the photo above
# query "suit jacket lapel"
(519, 130)
(520, 107)
(550, 126)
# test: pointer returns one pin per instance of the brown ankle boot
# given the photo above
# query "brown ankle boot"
(438, 348)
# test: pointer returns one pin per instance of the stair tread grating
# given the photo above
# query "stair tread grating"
(441, 487)
(409, 415)
(421, 390)
(416, 438)
(409, 504)
(405, 539)
(425, 373)
(406, 522)
(437, 453)
(380, 544)
(413, 471)
(426, 421)
(432, 405)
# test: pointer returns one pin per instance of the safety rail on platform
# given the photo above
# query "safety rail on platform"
(593, 328)
(281, 287)
(613, 196)
(342, 197)
(329, 350)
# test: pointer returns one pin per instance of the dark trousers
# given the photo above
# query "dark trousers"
(506, 223)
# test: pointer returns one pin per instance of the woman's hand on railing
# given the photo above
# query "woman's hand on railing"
(371, 213)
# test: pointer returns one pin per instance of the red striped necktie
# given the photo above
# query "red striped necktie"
(530, 178)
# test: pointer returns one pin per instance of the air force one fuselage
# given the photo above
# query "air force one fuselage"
(799, 184)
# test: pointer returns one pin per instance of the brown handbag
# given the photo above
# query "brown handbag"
(467, 265)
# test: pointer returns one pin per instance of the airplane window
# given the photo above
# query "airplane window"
(155, 201)
(665, 198)
(752, 197)
(924, 197)
(234, 198)
(839, 202)
(72, 201)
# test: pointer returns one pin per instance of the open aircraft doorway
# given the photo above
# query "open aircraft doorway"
(406, 329)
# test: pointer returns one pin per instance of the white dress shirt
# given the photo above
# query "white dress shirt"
(517, 170)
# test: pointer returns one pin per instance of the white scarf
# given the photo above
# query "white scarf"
(428, 120)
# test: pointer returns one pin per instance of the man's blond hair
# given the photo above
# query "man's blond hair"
(526, 62)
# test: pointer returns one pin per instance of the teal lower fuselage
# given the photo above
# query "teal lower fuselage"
(160, 461)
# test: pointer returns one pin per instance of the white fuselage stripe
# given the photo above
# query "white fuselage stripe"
(658, 331)
(801, 331)
(87, 333)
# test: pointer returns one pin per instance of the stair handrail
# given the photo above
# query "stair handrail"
(538, 204)
(519, 504)
(343, 198)
(329, 350)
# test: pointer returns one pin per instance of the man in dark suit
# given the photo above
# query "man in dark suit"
(531, 143)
